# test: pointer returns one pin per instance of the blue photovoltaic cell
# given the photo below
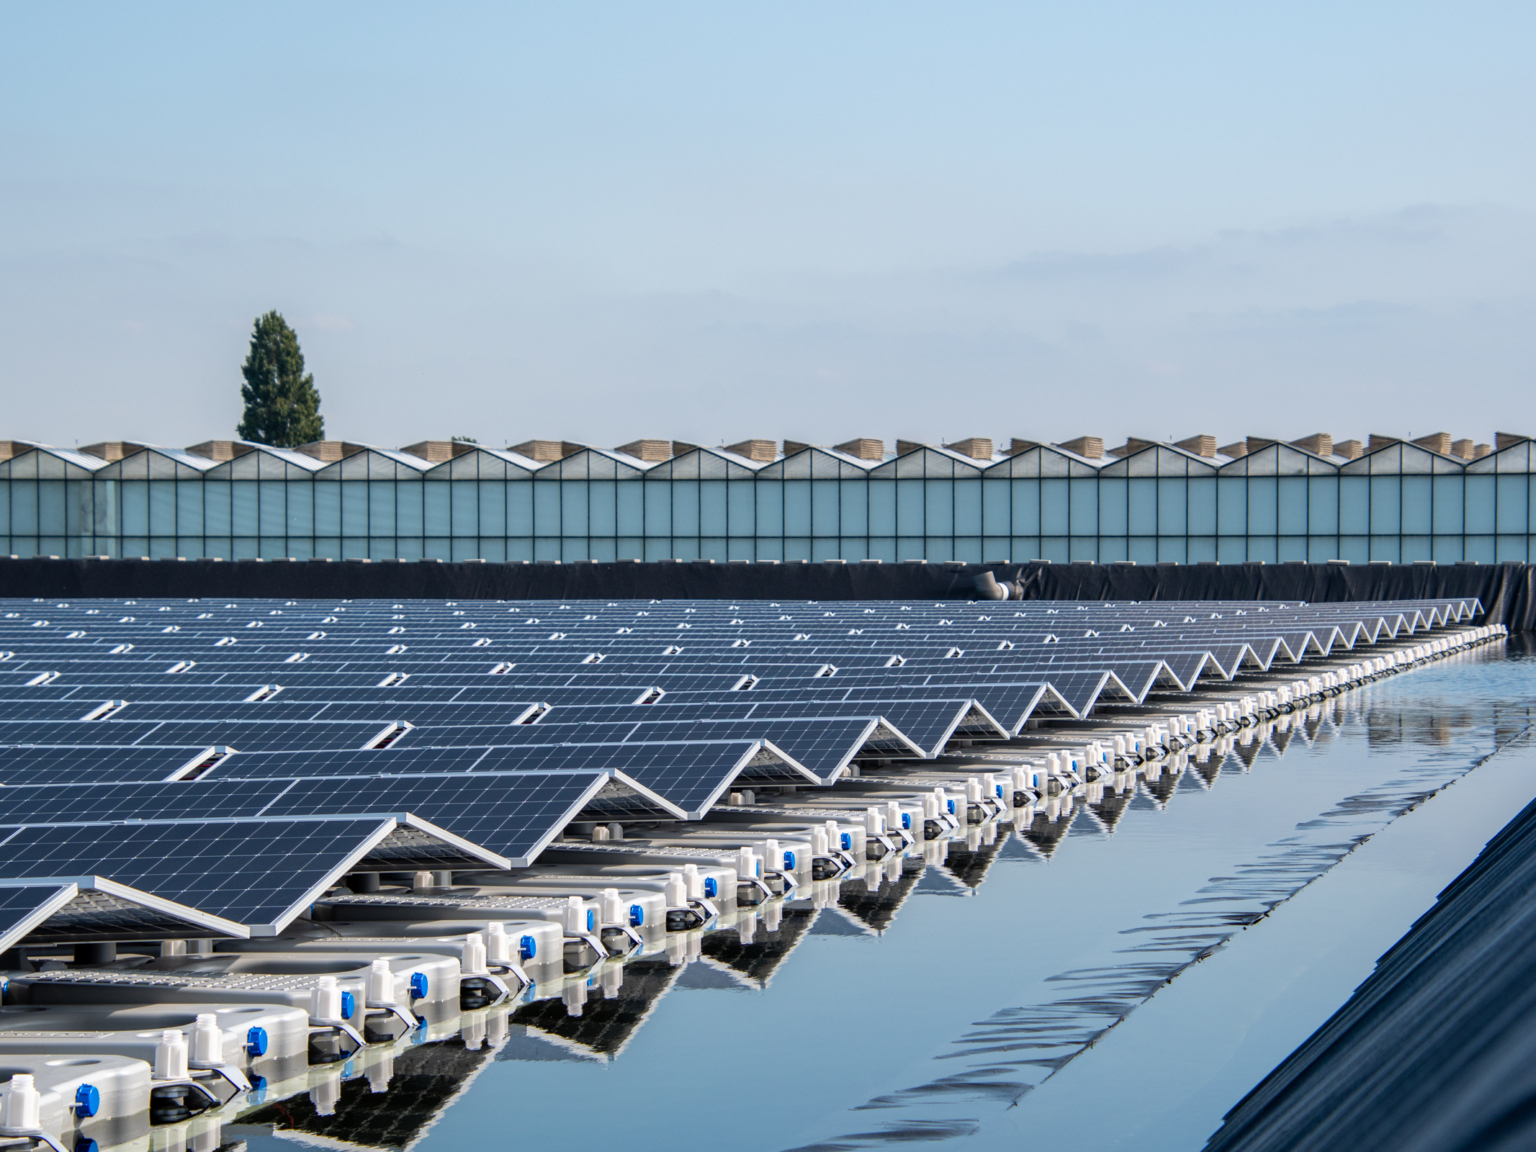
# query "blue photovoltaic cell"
(510, 814)
(253, 872)
(513, 815)
(252, 735)
(19, 904)
(88, 765)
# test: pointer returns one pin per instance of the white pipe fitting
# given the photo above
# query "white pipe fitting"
(498, 945)
(171, 1054)
(23, 1104)
(207, 1040)
(472, 960)
(381, 984)
(324, 1000)
(575, 916)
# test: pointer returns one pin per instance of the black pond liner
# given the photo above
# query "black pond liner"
(1507, 591)
(1437, 1049)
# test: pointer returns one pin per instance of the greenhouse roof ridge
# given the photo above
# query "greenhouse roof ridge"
(668, 459)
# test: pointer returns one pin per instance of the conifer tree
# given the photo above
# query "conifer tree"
(282, 407)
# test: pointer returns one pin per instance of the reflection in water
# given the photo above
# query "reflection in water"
(876, 907)
(754, 957)
(968, 862)
(397, 1098)
(602, 1024)
(1385, 727)
(1444, 727)
(1112, 804)
(1048, 826)
(1159, 789)
(1007, 1054)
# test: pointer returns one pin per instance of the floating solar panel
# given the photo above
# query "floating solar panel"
(251, 875)
(223, 758)
(512, 815)
(252, 735)
(686, 777)
(926, 724)
(25, 906)
(824, 746)
(90, 908)
(95, 765)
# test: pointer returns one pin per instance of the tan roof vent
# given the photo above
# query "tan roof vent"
(331, 451)
(1503, 440)
(1481, 450)
(110, 450)
(1132, 444)
(436, 451)
(1436, 442)
(1236, 451)
(757, 451)
(1199, 445)
(976, 447)
(1462, 449)
(793, 446)
(545, 451)
(905, 446)
(1090, 446)
(1379, 441)
(9, 448)
(1016, 446)
(1319, 444)
(681, 446)
(650, 450)
(864, 448)
(1349, 449)
(1256, 442)
(220, 449)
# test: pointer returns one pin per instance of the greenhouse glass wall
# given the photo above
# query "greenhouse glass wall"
(1401, 503)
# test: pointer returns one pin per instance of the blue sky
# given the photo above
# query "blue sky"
(604, 221)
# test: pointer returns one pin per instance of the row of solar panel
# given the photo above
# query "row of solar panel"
(225, 794)
(445, 610)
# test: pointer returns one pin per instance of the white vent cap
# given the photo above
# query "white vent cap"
(324, 1000)
(498, 945)
(171, 1055)
(472, 960)
(23, 1105)
(207, 1040)
(381, 983)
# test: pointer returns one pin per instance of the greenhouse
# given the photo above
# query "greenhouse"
(1159, 502)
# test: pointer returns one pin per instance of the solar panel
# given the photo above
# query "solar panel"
(511, 814)
(927, 723)
(688, 775)
(249, 873)
(89, 765)
(58, 804)
(372, 762)
(528, 713)
(24, 906)
(252, 735)
(514, 815)
(46, 710)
